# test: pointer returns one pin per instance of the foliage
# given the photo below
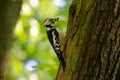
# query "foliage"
(32, 57)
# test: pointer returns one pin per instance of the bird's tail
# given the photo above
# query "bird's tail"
(61, 59)
(63, 62)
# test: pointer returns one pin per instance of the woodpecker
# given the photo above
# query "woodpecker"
(55, 38)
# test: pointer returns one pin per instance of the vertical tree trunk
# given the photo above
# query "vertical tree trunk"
(9, 13)
(92, 41)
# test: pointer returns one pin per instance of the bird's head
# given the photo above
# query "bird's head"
(50, 21)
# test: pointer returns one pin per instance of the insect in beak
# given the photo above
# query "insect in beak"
(55, 19)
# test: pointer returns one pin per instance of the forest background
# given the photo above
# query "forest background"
(31, 55)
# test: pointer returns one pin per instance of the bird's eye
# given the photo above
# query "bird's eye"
(50, 19)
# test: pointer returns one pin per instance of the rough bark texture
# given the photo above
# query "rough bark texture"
(93, 41)
(9, 13)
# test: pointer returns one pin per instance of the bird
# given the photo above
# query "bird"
(55, 37)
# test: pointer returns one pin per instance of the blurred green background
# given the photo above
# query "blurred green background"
(31, 55)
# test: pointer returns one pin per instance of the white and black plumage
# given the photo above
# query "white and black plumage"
(55, 37)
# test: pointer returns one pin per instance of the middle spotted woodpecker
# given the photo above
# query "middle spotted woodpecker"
(55, 38)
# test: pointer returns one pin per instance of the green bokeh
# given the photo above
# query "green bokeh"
(30, 42)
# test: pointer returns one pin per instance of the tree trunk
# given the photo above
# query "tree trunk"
(9, 13)
(92, 45)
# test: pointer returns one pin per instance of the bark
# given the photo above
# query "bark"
(92, 44)
(9, 13)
